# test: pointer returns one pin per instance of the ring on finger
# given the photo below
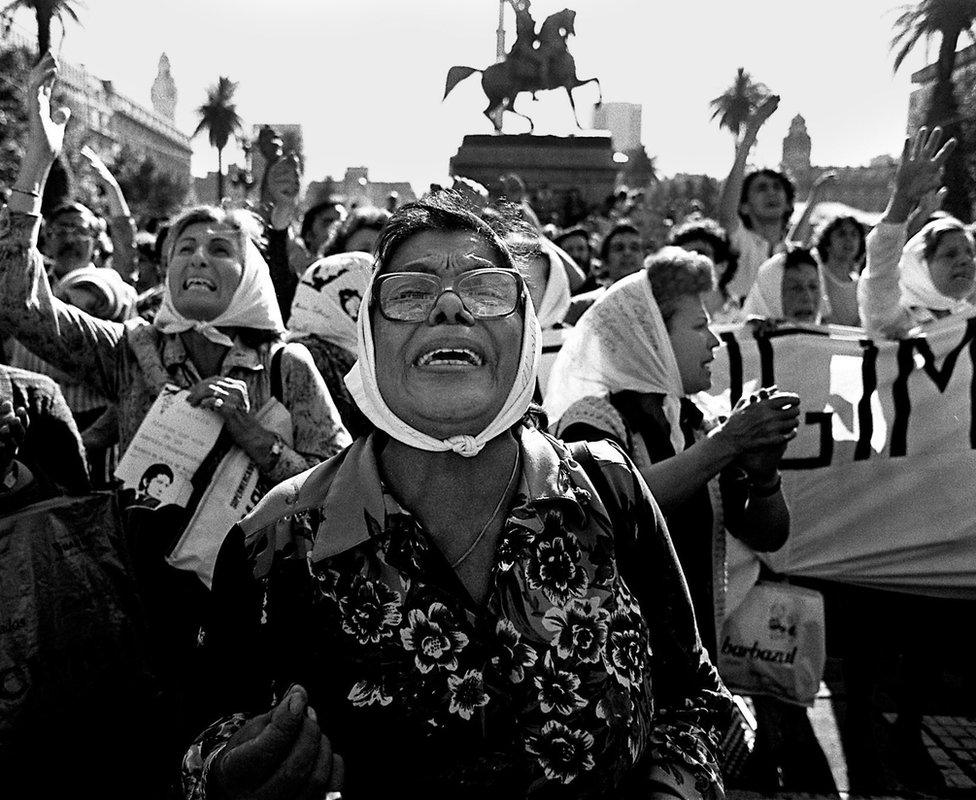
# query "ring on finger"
(219, 403)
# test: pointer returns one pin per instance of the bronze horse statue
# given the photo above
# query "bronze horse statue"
(529, 68)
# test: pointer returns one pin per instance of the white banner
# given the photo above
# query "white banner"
(881, 480)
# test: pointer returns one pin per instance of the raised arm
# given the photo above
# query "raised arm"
(123, 228)
(878, 292)
(287, 258)
(728, 204)
(66, 337)
(800, 230)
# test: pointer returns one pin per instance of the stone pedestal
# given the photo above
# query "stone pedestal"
(559, 164)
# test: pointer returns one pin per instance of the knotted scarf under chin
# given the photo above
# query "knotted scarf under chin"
(253, 305)
(362, 385)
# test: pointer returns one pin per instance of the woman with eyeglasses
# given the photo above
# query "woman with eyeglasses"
(455, 606)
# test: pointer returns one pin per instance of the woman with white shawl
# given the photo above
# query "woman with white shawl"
(789, 288)
(324, 315)
(549, 289)
(933, 275)
(627, 373)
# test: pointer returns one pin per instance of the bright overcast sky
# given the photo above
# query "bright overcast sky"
(365, 77)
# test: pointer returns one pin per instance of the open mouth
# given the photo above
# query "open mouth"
(200, 284)
(450, 357)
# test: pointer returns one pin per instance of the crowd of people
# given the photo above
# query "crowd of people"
(485, 552)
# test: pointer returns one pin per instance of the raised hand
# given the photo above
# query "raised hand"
(46, 124)
(284, 186)
(919, 172)
(107, 180)
(762, 112)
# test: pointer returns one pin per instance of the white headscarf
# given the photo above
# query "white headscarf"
(555, 302)
(765, 298)
(915, 281)
(620, 343)
(362, 385)
(253, 304)
(322, 301)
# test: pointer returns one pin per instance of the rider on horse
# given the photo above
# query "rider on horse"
(530, 64)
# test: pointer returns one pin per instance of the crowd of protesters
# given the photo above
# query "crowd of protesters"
(485, 547)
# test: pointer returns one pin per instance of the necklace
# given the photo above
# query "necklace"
(484, 529)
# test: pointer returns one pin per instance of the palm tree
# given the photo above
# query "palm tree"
(736, 103)
(218, 116)
(948, 19)
(44, 11)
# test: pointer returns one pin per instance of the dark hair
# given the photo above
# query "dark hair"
(933, 232)
(73, 208)
(569, 233)
(444, 211)
(624, 226)
(675, 273)
(822, 237)
(797, 256)
(310, 216)
(708, 230)
(154, 471)
(785, 182)
(369, 218)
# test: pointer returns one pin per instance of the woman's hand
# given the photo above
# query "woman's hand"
(227, 396)
(766, 419)
(919, 172)
(107, 181)
(761, 113)
(13, 430)
(278, 756)
(46, 125)
(284, 186)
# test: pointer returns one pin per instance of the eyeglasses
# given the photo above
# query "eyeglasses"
(411, 296)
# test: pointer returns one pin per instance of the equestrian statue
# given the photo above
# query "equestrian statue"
(536, 62)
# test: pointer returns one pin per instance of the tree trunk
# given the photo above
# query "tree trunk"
(220, 175)
(943, 111)
(43, 32)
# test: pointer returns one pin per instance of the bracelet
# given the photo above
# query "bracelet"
(768, 490)
(30, 193)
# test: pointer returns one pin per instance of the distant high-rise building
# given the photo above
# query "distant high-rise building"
(623, 120)
(796, 150)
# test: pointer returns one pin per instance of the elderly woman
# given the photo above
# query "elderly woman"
(548, 286)
(933, 275)
(324, 314)
(468, 612)
(788, 288)
(216, 335)
(628, 372)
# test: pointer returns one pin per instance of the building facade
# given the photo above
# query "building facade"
(866, 187)
(107, 120)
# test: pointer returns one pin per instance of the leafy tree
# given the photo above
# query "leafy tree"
(218, 116)
(44, 11)
(947, 19)
(151, 192)
(14, 65)
(736, 103)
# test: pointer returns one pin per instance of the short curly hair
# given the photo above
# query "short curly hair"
(708, 230)
(675, 273)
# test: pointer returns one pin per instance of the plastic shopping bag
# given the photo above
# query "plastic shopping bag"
(773, 643)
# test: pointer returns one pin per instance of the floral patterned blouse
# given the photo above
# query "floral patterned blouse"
(129, 363)
(582, 675)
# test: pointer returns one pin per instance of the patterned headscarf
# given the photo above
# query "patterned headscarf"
(620, 343)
